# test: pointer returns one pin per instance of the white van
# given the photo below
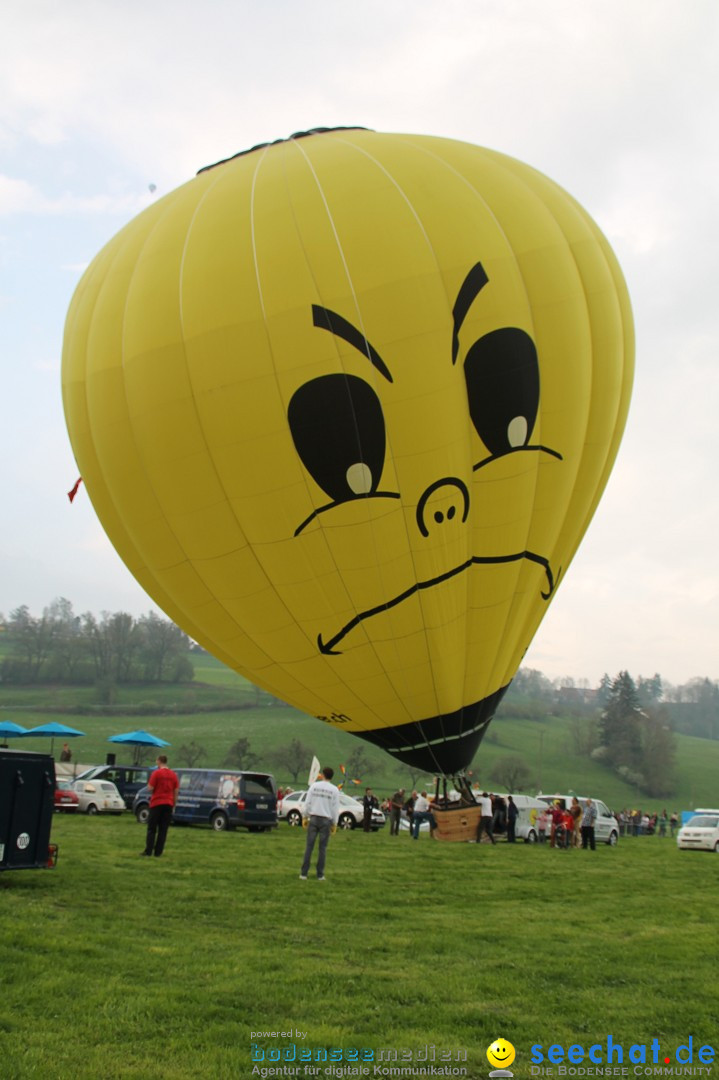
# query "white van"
(605, 827)
(529, 808)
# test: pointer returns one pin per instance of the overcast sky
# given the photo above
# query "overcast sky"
(615, 100)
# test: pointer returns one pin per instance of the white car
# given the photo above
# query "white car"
(701, 832)
(98, 797)
(351, 811)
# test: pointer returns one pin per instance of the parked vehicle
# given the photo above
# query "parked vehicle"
(605, 826)
(221, 798)
(98, 797)
(128, 779)
(351, 811)
(66, 798)
(27, 785)
(701, 832)
(528, 808)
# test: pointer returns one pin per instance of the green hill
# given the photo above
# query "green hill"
(221, 707)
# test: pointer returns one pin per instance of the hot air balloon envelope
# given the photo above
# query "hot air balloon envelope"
(345, 405)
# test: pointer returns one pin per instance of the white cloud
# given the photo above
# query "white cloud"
(22, 197)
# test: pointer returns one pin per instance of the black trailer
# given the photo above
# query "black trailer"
(27, 801)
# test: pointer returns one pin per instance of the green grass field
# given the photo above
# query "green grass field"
(113, 966)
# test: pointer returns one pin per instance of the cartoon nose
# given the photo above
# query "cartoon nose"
(443, 501)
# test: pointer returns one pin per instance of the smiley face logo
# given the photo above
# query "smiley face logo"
(500, 1054)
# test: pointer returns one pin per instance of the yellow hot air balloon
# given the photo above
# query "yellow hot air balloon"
(345, 405)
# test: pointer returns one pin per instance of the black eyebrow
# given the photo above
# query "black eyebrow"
(470, 289)
(325, 319)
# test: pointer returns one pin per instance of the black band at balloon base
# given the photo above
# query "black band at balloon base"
(442, 744)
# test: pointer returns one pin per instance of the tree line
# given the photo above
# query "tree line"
(62, 647)
(691, 708)
(624, 725)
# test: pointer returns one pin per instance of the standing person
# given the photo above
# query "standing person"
(588, 819)
(485, 821)
(663, 823)
(542, 825)
(65, 753)
(673, 822)
(369, 803)
(577, 813)
(164, 784)
(422, 812)
(556, 815)
(512, 813)
(320, 813)
(409, 809)
(395, 811)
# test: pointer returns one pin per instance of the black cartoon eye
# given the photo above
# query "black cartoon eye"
(338, 430)
(502, 375)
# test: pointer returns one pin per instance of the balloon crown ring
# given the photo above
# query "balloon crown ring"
(290, 138)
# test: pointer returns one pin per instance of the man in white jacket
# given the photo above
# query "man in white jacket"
(320, 813)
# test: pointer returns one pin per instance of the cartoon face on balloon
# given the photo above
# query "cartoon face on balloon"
(345, 405)
(337, 424)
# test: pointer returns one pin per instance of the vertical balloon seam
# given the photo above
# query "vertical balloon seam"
(627, 366)
(315, 178)
(442, 161)
(186, 616)
(273, 663)
(603, 473)
(418, 220)
(288, 149)
(624, 363)
(509, 165)
(526, 631)
(197, 565)
(393, 180)
(323, 196)
(128, 545)
(530, 623)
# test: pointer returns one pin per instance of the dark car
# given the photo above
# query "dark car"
(128, 779)
(221, 798)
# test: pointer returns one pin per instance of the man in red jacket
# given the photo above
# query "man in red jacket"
(164, 784)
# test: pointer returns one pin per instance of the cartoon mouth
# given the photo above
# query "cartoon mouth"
(329, 648)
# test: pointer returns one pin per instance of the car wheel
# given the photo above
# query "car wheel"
(716, 847)
(219, 821)
(612, 841)
(92, 809)
(346, 821)
(294, 817)
(142, 814)
(531, 837)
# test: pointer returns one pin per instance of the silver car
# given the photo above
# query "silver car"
(351, 811)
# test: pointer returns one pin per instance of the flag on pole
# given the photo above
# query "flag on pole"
(314, 771)
(72, 493)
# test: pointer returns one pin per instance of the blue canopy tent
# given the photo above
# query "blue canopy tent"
(11, 730)
(53, 731)
(139, 740)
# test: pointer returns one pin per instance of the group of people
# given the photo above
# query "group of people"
(568, 826)
(417, 809)
(638, 823)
